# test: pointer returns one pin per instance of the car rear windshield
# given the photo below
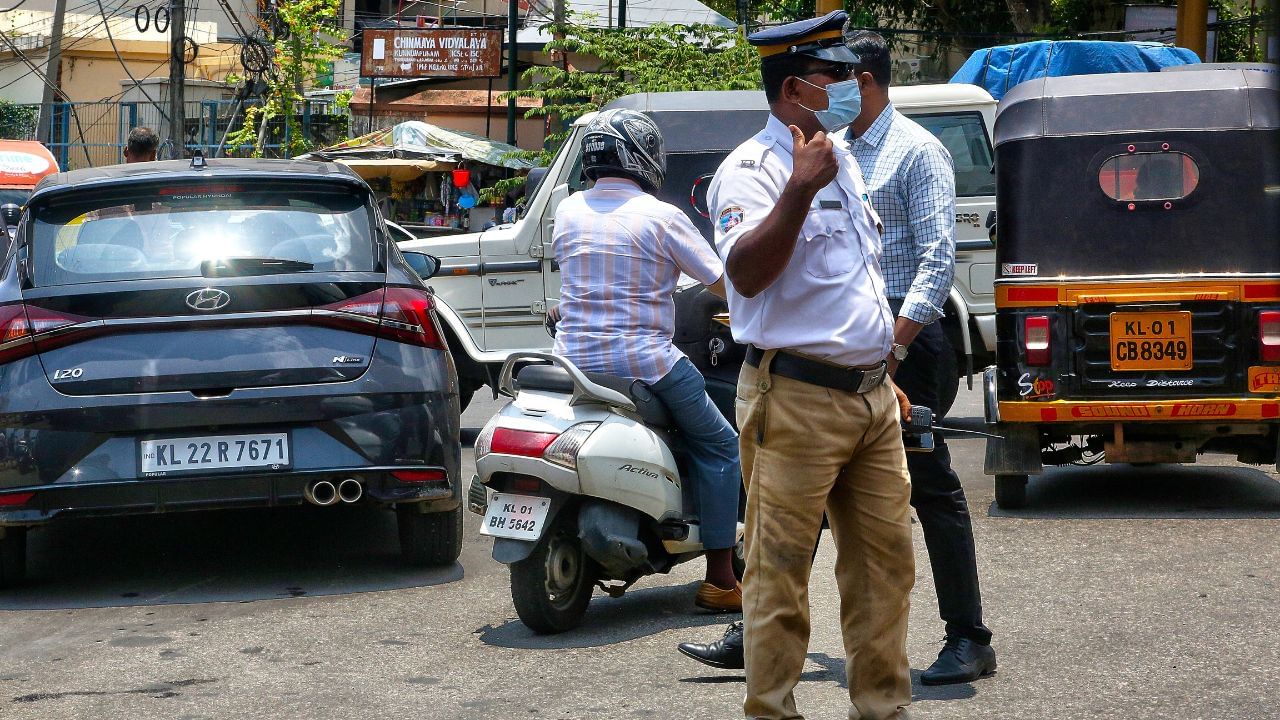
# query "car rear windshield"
(168, 230)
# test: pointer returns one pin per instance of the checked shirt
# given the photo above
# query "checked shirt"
(913, 188)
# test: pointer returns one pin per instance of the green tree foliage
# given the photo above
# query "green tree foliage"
(654, 58)
(17, 122)
(309, 37)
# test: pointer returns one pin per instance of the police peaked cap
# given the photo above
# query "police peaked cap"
(819, 38)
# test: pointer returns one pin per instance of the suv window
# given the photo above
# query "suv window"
(169, 229)
(965, 137)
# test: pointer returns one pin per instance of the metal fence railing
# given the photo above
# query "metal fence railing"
(89, 134)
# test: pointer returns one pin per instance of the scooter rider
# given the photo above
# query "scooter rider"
(621, 252)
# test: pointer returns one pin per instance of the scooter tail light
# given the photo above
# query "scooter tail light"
(524, 443)
(1269, 335)
(564, 451)
(1036, 340)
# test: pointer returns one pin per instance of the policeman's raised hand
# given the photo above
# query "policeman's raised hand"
(814, 163)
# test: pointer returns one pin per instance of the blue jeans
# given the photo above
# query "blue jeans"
(713, 450)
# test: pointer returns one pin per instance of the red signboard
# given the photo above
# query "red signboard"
(441, 53)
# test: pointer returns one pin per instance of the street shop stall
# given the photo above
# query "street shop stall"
(426, 177)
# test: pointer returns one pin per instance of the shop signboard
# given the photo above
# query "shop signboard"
(435, 53)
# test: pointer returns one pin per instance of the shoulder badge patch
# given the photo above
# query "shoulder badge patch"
(729, 218)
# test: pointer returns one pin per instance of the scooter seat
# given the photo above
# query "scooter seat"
(653, 412)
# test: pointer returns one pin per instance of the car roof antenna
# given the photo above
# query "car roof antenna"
(198, 162)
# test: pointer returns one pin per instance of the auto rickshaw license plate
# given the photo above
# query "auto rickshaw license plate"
(1151, 341)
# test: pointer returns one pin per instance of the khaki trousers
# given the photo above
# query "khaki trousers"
(806, 449)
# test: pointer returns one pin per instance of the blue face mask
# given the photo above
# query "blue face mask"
(844, 103)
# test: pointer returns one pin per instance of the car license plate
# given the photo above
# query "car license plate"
(1151, 341)
(169, 456)
(515, 516)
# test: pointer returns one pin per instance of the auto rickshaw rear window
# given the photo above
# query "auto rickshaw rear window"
(1149, 176)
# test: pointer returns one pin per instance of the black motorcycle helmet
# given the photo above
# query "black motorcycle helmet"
(624, 143)
(9, 213)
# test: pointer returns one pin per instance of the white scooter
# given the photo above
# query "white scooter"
(580, 482)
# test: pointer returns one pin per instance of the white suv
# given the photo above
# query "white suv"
(496, 285)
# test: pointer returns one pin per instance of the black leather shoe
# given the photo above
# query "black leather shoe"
(725, 653)
(961, 660)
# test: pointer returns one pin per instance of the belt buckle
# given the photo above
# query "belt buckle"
(871, 379)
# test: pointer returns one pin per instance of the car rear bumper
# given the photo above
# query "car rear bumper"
(162, 495)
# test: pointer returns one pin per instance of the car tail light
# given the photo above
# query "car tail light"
(564, 451)
(1269, 335)
(401, 314)
(418, 476)
(1036, 340)
(407, 317)
(28, 329)
(521, 442)
(16, 499)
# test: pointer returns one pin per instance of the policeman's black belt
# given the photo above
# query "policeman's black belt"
(815, 372)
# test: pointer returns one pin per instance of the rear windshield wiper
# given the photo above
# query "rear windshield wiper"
(240, 266)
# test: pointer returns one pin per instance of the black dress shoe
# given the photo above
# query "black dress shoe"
(961, 660)
(725, 653)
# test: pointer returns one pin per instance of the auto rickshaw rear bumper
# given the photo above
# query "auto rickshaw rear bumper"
(1132, 431)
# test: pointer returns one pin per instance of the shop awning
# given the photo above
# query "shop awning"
(398, 170)
(475, 148)
(416, 140)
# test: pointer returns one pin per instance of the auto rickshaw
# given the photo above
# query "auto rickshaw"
(1138, 272)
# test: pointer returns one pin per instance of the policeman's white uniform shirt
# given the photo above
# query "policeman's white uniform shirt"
(830, 301)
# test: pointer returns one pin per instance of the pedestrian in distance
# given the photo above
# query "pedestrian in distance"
(141, 145)
(911, 181)
(818, 416)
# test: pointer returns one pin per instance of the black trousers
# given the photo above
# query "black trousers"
(938, 498)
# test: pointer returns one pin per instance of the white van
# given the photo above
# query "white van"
(496, 285)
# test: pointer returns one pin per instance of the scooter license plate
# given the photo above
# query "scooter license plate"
(519, 517)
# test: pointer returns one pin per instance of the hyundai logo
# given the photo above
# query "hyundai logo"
(208, 300)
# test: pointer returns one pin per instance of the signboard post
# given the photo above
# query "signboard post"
(435, 53)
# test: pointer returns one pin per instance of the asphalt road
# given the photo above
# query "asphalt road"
(1121, 592)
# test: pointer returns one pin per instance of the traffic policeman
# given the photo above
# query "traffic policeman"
(817, 413)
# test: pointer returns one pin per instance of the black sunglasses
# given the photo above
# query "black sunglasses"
(837, 71)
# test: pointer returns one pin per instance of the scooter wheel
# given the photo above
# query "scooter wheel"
(552, 587)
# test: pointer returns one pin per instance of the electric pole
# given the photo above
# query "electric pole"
(177, 65)
(1193, 26)
(622, 14)
(822, 7)
(51, 74)
(513, 20)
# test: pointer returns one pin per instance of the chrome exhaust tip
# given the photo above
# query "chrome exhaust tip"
(350, 490)
(321, 492)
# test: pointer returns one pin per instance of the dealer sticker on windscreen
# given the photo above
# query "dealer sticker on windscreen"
(221, 453)
(520, 517)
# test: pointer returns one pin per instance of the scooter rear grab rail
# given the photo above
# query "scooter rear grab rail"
(584, 391)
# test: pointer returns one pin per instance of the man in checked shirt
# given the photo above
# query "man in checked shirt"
(911, 181)
(912, 185)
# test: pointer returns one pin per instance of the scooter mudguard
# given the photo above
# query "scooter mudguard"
(509, 550)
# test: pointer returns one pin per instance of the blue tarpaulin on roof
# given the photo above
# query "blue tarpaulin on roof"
(998, 69)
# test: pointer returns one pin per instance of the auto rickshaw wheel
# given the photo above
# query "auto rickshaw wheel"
(1011, 492)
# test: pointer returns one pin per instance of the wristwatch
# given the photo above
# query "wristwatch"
(899, 352)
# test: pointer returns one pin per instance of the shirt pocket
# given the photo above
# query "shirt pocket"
(831, 248)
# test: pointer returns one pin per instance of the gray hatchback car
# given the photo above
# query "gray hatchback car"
(231, 333)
